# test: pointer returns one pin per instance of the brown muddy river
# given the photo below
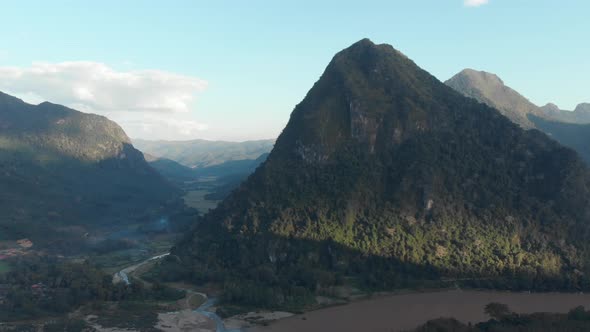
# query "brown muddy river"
(407, 311)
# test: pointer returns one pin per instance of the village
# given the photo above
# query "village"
(9, 249)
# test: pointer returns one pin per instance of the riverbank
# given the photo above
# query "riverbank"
(408, 311)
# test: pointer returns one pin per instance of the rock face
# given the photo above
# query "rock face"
(568, 128)
(386, 174)
(61, 167)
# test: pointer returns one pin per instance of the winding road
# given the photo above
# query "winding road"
(123, 275)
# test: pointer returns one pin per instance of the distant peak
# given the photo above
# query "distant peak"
(367, 46)
(367, 58)
(479, 75)
(551, 107)
(365, 42)
(363, 46)
(583, 107)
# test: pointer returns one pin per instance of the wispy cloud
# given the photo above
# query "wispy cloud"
(144, 102)
(475, 3)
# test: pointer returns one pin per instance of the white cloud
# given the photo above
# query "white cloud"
(97, 87)
(144, 102)
(475, 3)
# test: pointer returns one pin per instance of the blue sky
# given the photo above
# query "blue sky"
(234, 70)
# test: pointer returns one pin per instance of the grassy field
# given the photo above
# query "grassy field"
(4, 267)
(196, 199)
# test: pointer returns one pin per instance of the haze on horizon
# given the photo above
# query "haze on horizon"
(236, 73)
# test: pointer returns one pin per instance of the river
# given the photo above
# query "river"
(123, 276)
(408, 311)
(219, 326)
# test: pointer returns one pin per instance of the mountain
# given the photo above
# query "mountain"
(178, 173)
(551, 110)
(490, 89)
(203, 153)
(232, 167)
(568, 128)
(230, 175)
(384, 177)
(60, 167)
(581, 115)
(171, 170)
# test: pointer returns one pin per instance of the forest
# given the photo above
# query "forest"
(39, 286)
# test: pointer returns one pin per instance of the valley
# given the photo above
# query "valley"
(198, 166)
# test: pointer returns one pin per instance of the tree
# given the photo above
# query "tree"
(497, 311)
(578, 313)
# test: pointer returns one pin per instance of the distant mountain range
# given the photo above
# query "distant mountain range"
(581, 115)
(60, 167)
(384, 177)
(202, 153)
(570, 128)
(184, 162)
(178, 173)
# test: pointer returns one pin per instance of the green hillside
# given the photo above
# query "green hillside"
(60, 167)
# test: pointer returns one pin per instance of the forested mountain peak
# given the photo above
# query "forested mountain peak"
(369, 93)
(386, 174)
(67, 131)
(61, 167)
